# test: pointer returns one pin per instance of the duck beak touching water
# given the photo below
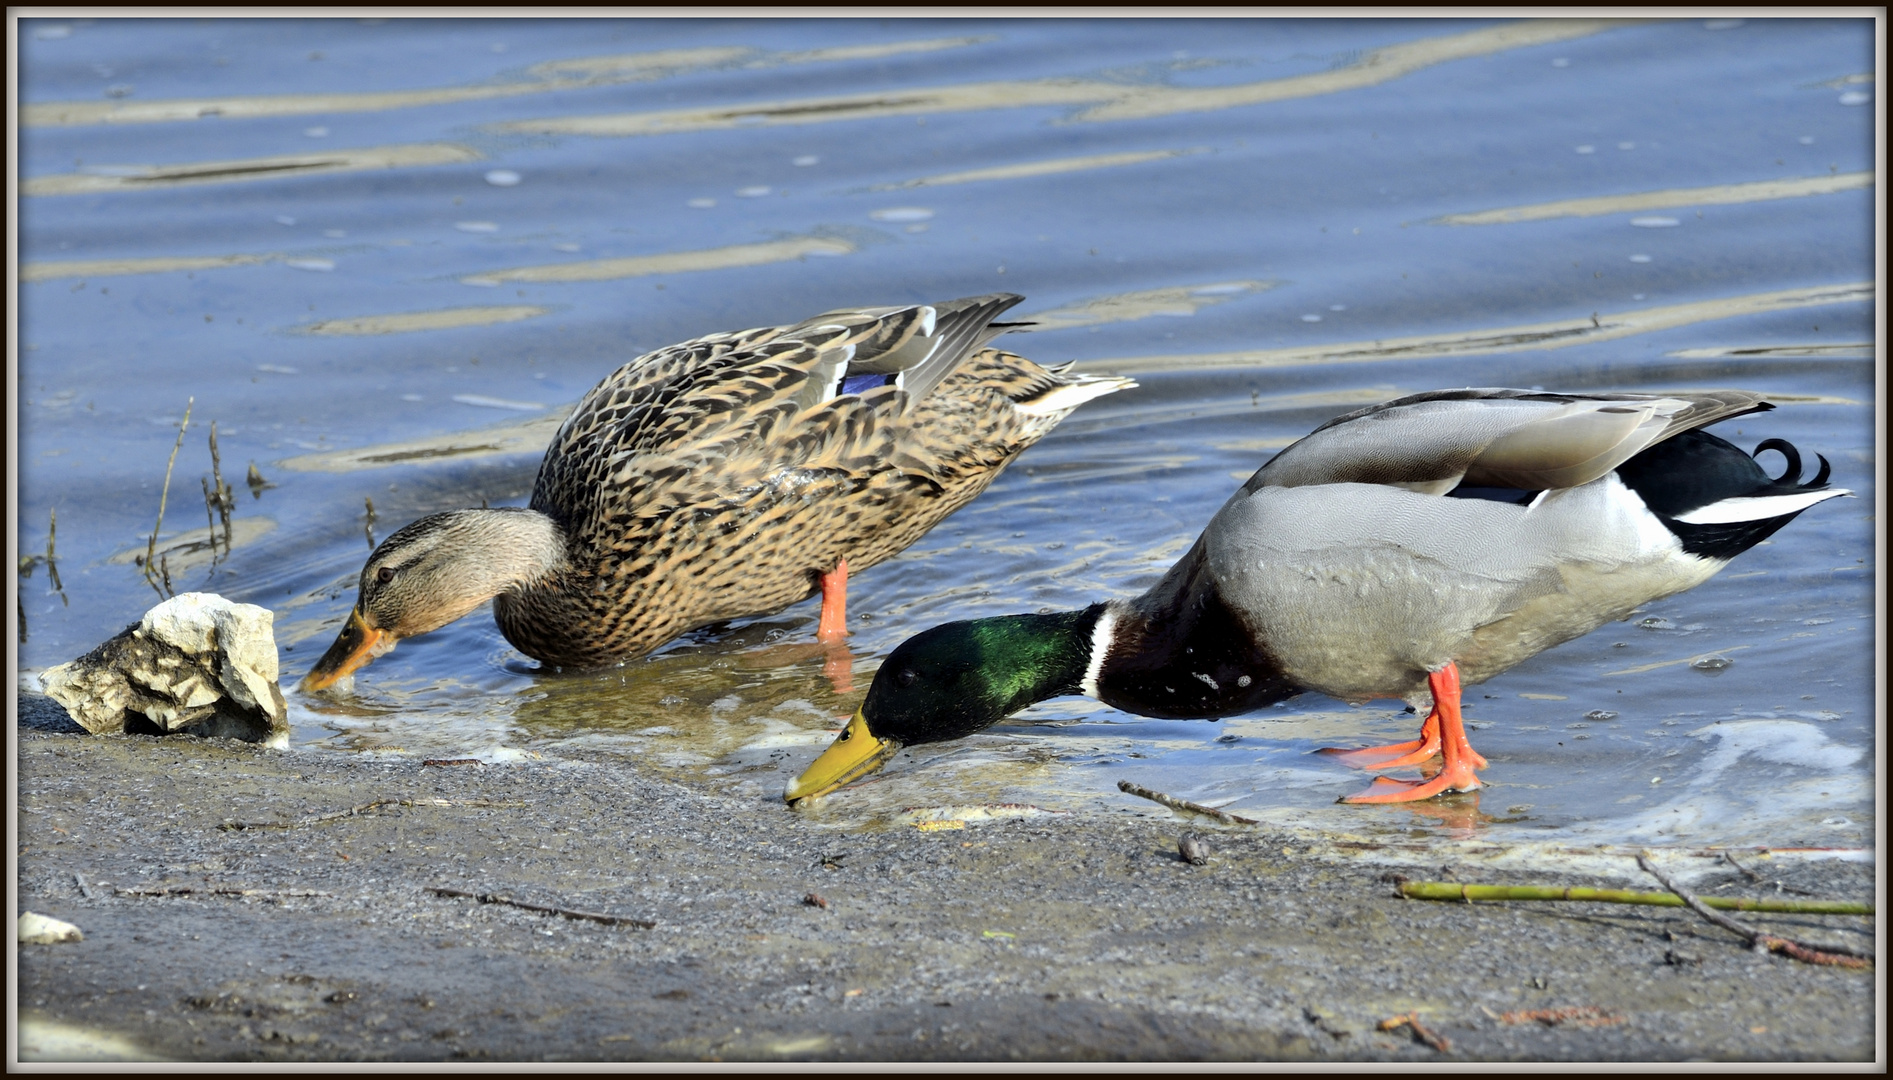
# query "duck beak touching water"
(354, 647)
(854, 754)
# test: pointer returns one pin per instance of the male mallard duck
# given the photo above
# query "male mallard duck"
(725, 477)
(1395, 552)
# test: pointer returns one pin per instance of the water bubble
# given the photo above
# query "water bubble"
(1600, 716)
(1561, 62)
(806, 159)
(754, 192)
(1855, 97)
(335, 234)
(701, 204)
(315, 132)
(1655, 622)
(322, 266)
(502, 178)
(476, 226)
(1587, 149)
(1655, 222)
(1722, 24)
(1712, 663)
(1639, 259)
(1841, 821)
(902, 213)
(1311, 318)
(285, 219)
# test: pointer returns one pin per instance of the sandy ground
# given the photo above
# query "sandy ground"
(1049, 938)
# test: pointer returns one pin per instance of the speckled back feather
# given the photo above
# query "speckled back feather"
(697, 484)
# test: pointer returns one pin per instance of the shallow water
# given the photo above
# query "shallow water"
(383, 256)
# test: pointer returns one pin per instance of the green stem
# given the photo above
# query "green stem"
(1453, 890)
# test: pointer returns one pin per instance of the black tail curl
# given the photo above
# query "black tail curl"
(1696, 469)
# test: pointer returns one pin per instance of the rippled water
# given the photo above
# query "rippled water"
(384, 255)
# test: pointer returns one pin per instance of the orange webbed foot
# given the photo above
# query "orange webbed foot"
(1460, 760)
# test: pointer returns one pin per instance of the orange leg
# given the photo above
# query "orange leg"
(1414, 752)
(834, 624)
(1460, 760)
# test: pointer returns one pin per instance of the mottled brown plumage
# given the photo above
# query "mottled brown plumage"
(720, 477)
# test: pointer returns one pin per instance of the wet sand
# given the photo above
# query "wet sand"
(1080, 937)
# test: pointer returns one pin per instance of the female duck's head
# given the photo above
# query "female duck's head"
(434, 571)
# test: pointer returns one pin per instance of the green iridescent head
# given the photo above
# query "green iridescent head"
(951, 681)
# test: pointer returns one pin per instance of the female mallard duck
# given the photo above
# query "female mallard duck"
(724, 477)
(1393, 553)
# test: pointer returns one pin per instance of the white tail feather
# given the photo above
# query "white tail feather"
(1757, 507)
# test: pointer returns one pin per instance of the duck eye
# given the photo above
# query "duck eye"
(385, 574)
(905, 676)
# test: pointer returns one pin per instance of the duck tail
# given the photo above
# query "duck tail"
(1717, 500)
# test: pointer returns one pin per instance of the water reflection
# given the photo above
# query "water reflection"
(352, 261)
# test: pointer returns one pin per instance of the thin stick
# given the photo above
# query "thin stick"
(210, 890)
(151, 548)
(1758, 879)
(568, 913)
(1825, 954)
(1184, 805)
(210, 517)
(52, 563)
(337, 815)
(1420, 1032)
(225, 502)
(1453, 890)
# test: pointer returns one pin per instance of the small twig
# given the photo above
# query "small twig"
(1746, 872)
(337, 815)
(210, 517)
(1759, 941)
(1184, 805)
(567, 913)
(151, 547)
(225, 501)
(258, 485)
(1760, 880)
(1453, 890)
(52, 562)
(1585, 1015)
(210, 890)
(1420, 1031)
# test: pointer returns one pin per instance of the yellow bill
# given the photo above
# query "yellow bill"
(854, 754)
(355, 646)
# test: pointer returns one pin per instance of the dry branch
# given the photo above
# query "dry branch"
(567, 913)
(1825, 954)
(1183, 805)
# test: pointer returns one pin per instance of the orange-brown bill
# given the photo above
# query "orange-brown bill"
(355, 646)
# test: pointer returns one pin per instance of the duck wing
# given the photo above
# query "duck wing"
(1491, 437)
(912, 348)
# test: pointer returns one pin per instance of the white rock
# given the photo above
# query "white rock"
(197, 662)
(41, 930)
